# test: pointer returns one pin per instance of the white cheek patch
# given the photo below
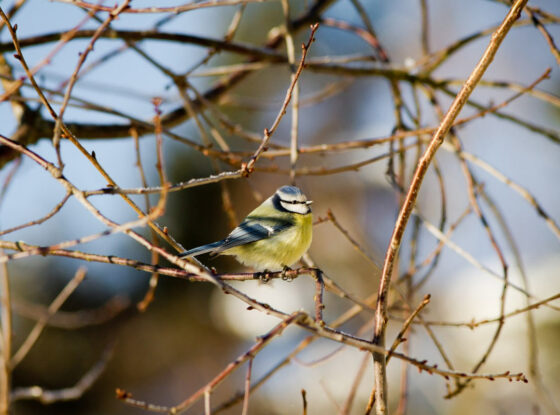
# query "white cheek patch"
(300, 208)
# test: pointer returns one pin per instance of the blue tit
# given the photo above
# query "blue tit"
(273, 236)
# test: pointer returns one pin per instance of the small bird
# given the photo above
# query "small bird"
(272, 237)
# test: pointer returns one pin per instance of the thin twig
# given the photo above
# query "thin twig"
(48, 396)
(245, 409)
(42, 322)
(49, 215)
(71, 320)
(248, 168)
(174, 9)
(261, 343)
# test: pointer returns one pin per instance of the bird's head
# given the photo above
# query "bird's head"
(291, 199)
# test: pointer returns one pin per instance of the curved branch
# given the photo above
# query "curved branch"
(381, 317)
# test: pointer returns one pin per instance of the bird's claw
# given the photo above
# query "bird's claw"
(264, 276)
(284, 276)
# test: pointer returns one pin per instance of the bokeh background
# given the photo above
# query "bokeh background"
(191, 331)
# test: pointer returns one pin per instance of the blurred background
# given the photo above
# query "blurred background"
(191, 331)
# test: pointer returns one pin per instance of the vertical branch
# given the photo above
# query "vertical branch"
(319, 288)
(295, 97)
(6, 319)
(381, 318)
(425, 35)
(149, 296)
(6, 313)
(245, 410)
(207, 406)
(304, 399)
(397, 179)
(398, 340)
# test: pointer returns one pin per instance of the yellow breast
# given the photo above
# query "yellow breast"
(283, 249)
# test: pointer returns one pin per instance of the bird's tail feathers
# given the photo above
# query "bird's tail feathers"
(204, 249)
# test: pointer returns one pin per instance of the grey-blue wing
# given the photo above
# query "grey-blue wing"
(251, 230)
(204, 249)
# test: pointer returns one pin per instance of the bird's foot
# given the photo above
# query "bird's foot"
(263, 276)
(283, 274)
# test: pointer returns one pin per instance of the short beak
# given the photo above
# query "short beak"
(308, 202)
